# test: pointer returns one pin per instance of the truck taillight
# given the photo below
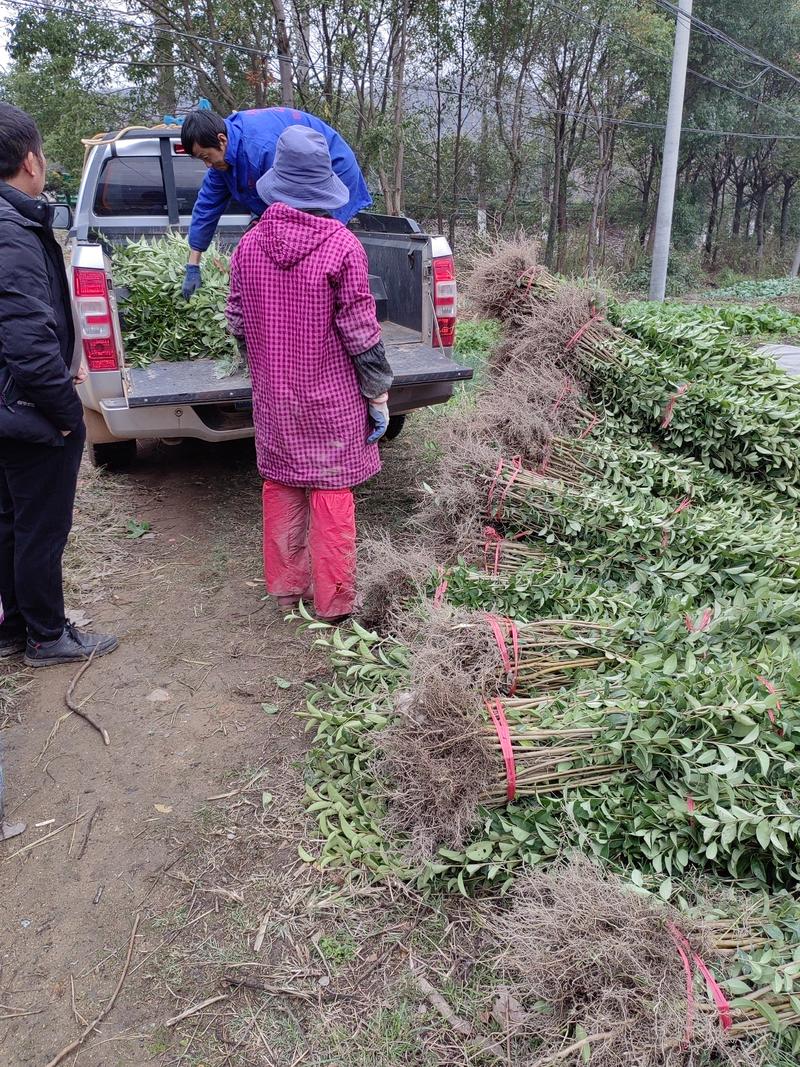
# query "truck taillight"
(445, 300)
(94, 314)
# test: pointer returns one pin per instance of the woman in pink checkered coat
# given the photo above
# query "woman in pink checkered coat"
(300, 300)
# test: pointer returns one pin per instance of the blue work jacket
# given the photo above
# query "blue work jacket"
(252, 136)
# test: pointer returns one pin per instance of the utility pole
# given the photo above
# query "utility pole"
(284, 53)
(672, 144)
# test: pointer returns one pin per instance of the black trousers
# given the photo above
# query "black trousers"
(37, 494)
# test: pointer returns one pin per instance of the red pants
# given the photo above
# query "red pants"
(310, 546)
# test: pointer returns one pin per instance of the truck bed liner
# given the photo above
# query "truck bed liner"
(195, 382)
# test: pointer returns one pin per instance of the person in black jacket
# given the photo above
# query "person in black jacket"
(41, 418)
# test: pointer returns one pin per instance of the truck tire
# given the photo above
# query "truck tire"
(113, 457)
(396, 424)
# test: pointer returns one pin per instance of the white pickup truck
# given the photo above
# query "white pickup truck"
(140, 182)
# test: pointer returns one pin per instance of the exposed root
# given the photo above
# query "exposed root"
(605, 962)
(434, 763)
(389, 576)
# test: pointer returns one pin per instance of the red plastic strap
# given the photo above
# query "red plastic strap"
(579, 333)
(492, 537)
(516, 464)
(590, 426)
(687, 970)
(503, 630)
(566, 389)
(532, 275)
(495, 709)
(441, 589)
(670, 408)
(770, 687)
(720, 1000)
(684, 504)
(705, 621)
(688, 958)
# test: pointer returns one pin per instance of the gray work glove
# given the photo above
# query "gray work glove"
(379, 417)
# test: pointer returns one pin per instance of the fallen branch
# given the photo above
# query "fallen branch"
(578, 1046)
(461, 1026)
(77, 709)
(94, 815)
(195, 1009)
(85, 1033)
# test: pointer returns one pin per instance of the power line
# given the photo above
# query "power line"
(665, 59)
(149, 28)
(480, 101)
(730, 42)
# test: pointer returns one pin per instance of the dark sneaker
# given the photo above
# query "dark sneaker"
(12, 646)
(73, 645)
(11, 829)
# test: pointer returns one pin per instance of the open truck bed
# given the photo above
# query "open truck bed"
(140, 183)
(431, 374)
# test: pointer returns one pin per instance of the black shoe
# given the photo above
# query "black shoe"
(73, 645)
(12, 646)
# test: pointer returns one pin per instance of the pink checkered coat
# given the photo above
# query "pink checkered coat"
(300, 296)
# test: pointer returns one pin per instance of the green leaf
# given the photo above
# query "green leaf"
(282, 683)
(764, 833)
(270, 709)
(670, 665)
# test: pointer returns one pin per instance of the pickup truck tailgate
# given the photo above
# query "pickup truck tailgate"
(422, 376)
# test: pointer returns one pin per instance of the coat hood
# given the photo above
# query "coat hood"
(289, 236)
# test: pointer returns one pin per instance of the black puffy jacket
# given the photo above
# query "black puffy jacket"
(37, 333)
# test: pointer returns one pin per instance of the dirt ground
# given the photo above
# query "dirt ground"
(198, 703)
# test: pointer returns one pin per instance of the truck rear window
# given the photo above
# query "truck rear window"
(134, 186)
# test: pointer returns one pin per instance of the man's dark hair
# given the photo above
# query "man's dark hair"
(19, 135)
(202, 128)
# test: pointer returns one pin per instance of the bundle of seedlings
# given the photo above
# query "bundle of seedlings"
(448, 752)
(156, 324)
(496, 654)
(738, 415)
(505, 281)
(596, 524)
(611, 977)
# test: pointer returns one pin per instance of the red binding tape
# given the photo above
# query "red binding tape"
(498, 716)
(580, 332)
(492, 537)
(690, 959)
(441, 589)
(499, 624)
(770, 687)
(589, 427)
(670, 408)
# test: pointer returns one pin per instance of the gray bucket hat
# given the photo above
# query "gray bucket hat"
(302, 174)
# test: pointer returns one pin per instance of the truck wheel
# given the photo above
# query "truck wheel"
(113, 457)
(396, 424)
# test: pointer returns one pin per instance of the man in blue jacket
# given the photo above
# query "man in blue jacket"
(238, 151)
(41, 417)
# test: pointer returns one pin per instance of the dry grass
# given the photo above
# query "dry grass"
(13, 683)
(316, 966)
(97, 554)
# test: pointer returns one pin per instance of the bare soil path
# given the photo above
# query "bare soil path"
(182, 703)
